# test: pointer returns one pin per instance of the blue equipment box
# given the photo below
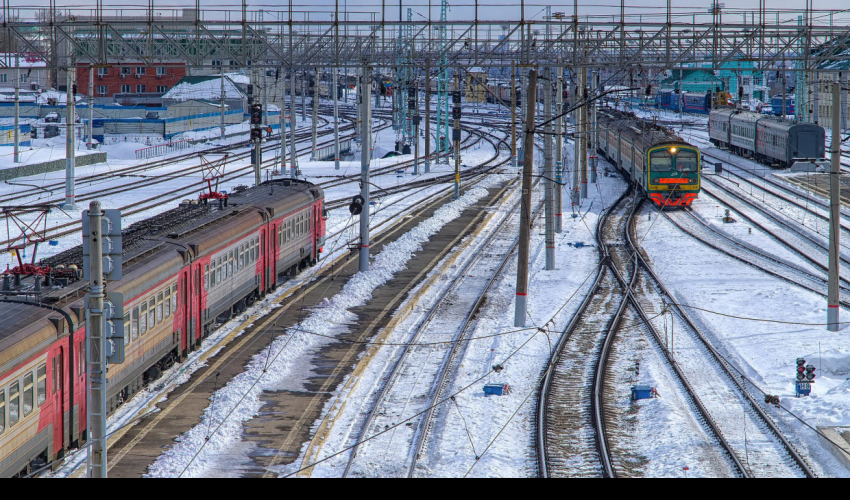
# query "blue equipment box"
(641, 392)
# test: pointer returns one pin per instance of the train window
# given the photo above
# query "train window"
(14, 404)
(41, 384)
(241, 262)
(159, 307)
(134, 323)
(152, 313)
(143, 317)
(686, 161)
(218, 270)
(127, 329)
(224, 267)
(167, 302)
(174, 298)
(55, 373)
(661, 161)
(81, 358)
(2, 410)
(230, 262)
(206, 277)
(29, 394)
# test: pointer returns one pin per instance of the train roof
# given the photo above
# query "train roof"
(166, 240)
(27, 328)
(640, 131)
(769, 121)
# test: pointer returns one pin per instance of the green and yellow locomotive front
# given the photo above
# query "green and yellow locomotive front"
(673, 174)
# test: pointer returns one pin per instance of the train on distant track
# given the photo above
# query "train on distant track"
(686, 102)
(184, 270)
(769, 139)
(659, 163)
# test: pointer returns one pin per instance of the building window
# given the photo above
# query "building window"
(161, 70)
(233, 64)
(141, 89)
(125, 71)
(102, 89)
(125, 89)
(103, 71)
(4, 78)
(216, 62)
(141, 70)
(161, 89)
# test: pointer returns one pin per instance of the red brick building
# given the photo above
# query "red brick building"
(130, 78)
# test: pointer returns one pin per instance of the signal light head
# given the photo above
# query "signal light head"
(801, 377)
(801, 361)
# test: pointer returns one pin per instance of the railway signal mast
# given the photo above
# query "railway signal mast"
(102, 262)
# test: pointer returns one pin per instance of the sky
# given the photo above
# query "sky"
(458, 9)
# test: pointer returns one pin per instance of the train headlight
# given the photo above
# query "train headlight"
(673, 150)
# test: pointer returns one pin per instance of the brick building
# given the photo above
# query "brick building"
(130, 78)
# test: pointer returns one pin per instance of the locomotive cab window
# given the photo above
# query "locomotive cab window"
(686, 161)
(661, 161)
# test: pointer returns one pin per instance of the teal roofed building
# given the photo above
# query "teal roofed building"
(737, 74)
(691, 80)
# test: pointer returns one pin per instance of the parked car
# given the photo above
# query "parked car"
(51, 131)
(51, 118)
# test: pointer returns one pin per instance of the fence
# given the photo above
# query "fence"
(161, 149)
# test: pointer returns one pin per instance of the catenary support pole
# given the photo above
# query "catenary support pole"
(283, 137)
(583, 133)
(576, 114)
(365, 157)
(91, 109)
(513, 116)
(336, 118)
(293, 120)
(428, 115)
(594, 131)
(832, 312)
(842, 78)
(456, 137)
(16, 155)
(559, 153)
(549, 172)
(315, 126)
(304, 97)
(70, 161)
(521, 307)
(221, 107)
(97, 354)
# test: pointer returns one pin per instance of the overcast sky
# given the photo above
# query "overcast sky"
(459, 9)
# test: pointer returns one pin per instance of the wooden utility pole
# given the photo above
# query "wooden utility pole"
(520, 312)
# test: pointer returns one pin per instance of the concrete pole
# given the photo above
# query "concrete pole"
(221, 104)
(513, 116)
(304, 98)
(258, 161)
(97, 353)
(456, 137)
(70, 162)
(521, 308)
(816, 108)
(313, 157)
(583, 133)
(16, 156)
(559, 156)
(365, 157)
(842, 78)
(91, 108)
(336, 118)
(574, 195)
(428, 115)
(549, 173)
(832, 311)
(283, 138)
(594, 131)
(293, 110)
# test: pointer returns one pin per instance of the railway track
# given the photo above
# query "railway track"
(574, 435)
(386, 228)
(430, 365)
(769, 453)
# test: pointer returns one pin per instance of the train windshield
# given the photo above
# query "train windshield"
(686, 161)
(661, 161)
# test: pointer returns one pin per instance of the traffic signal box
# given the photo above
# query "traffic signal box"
(805, 378)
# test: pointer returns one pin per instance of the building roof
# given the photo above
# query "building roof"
(689, 75)
(838, 47)
(204, 87)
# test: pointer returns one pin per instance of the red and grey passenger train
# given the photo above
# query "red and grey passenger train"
(184, 270)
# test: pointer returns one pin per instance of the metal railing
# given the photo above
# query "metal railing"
(161, 149)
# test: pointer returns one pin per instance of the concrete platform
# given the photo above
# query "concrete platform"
(837, 441)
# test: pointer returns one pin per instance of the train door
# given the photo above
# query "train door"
(197, 304)
(57, 396)
(266, 256)
(184, 322)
